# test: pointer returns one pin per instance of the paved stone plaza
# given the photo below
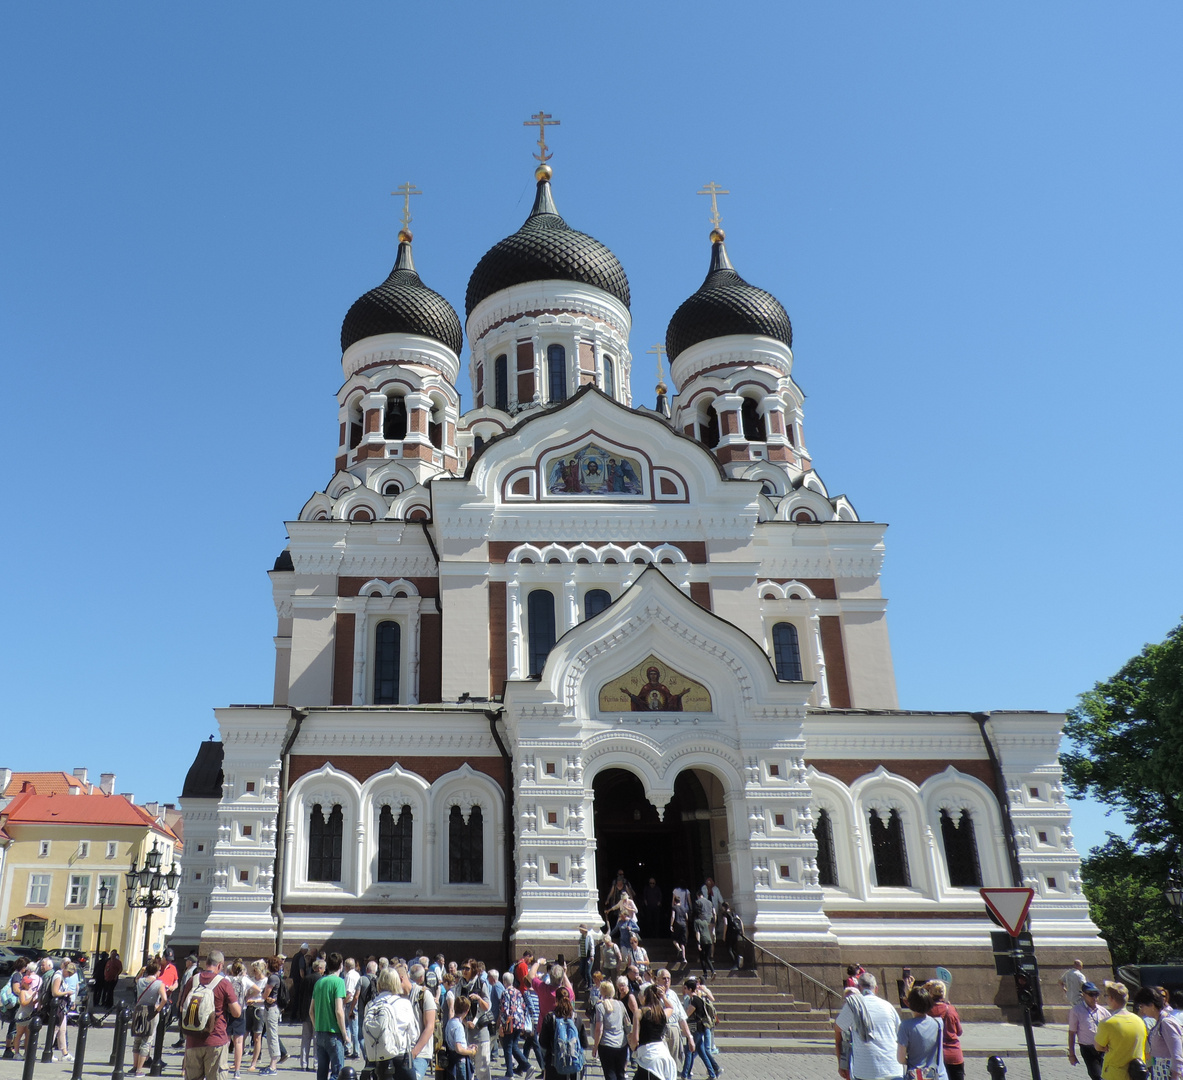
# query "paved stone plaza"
(791, 1060)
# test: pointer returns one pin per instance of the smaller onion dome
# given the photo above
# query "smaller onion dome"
(402, 304)
(725, 304)
(546, 248)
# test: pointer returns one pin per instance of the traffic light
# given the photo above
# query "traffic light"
(1025, 975)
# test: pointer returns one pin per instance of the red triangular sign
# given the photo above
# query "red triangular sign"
(1010, 905)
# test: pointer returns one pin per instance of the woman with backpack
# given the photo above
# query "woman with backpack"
(563, 1038)
(732, 934)
(388, 1027)
(151, 997)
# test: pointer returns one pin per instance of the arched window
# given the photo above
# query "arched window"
(594, 601)
(540, 610)
(435, 427)
(394, 426)
(394, 845)
(501, 383)
(609, 377)
(387, 657)
(324, 844)
(786, 651)
(478, 444)
(961, 850)
(887, 846)
(753, 422)
(466, 847)
(827, 863)
(710, 428)
(556, 372)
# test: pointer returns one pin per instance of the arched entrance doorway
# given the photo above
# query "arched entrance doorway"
(681, 848)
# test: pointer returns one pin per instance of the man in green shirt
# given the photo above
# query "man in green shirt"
(1122, 1037)
(327, 1014)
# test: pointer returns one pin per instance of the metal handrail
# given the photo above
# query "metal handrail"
(829, 992)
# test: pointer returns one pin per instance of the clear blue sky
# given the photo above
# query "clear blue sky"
(971, 212)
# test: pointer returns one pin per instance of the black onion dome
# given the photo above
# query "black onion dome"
(546, 248)
(726, 304)
(402, 304)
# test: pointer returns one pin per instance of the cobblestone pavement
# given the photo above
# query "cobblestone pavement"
(809, 1062)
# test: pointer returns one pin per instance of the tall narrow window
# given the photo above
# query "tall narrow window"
(501, 382)
(435, 427)
(556, 372)
(540, 610)
(478, 444)
(609, 377)
(394, 426)
(753, 422)
(594, 601)
(710, 428)
(387, 654)
(827, 863)
(394, 845)
(466, 847)
(887, 845)
(324, 843)
(786, 651)
(961, 849)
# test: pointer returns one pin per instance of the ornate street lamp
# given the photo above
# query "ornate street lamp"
(1174, 894)
(104, 900)
(149, 889)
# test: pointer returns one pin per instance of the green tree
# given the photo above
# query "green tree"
(1127, 737)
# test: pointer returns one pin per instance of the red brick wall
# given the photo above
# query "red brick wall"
(431, 646)
(498, 661)
(848, 771)
(362, 766)
(343, 659)
(700, 593)
(831, 629)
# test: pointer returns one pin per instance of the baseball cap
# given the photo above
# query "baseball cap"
(1089, 988)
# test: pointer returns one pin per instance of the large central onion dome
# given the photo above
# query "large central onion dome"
(402, 304)
(725, 304)
(546, 248)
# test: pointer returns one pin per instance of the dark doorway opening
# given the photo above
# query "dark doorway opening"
(674, 850)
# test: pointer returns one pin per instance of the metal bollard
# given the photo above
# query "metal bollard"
(80, 1045)
(347, 1073)
(157, 1064)
(47, 1053)
(996, 1067)
(31, 1047)
(115, 1037)
(122, 1024)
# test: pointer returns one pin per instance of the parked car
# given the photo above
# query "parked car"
(8, 960)
(28, 951)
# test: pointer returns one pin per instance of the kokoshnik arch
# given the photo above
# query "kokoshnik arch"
(516, 640)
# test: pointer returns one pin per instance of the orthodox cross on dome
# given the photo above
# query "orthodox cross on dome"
(541, 121)
(714, 191)
(406, 191)
(659, 350)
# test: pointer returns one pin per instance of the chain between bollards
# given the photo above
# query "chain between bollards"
(80, 1044)
(31, 1047)
(122, 1023)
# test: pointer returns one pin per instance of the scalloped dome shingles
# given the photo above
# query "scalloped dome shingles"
(725, 304)
(546, 248)
(402, 304)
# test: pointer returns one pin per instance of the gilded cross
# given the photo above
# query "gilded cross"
(406, 191)
(541, 121)
(714, 191)
(659, 350)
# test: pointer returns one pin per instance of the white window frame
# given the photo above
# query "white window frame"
(43, 850)
(72, 936)
(84, 849)
(112, 849)
(112, 883)
(78, 891)
(37, 882)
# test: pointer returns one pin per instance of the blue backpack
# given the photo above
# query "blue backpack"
(567, 1051)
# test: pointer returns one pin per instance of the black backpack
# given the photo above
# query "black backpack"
(283, 996)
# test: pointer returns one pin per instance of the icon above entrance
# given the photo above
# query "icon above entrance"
(653, 686)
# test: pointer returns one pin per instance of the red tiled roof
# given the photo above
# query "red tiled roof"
(30, 809)
(45, 783)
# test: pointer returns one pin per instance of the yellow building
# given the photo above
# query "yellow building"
(67, 850)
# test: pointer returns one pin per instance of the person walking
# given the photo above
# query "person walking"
(316, 970)
(871, 1024)
(558, 1051)
(64, 989)
(205, 1052)
(1083, 1019)
(512, 1023)
(327, 1013)
(920, 1039)
(701, 1014)
(1121, 1037)
(151, 1000)
(951, 1025)
(609, 1033)
(1165, 1042)
(704, 933)
(111, 973)
(732, 926)
(1072, 981)
(647, 1038)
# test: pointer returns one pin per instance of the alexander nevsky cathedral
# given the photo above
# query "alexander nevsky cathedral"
(561, 633)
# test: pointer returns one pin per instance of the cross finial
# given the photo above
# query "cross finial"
(541, 121)
(659, 350)
(406, 191)
(714, 191)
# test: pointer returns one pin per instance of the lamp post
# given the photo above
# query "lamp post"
(104, 900)
(150, 889)
(1174, 894)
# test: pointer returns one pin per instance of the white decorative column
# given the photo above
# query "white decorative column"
(373, 403)
(730, 403)
(418, 429)
(570, 606)
(513, 629)
(359, 656)
(819, 657)
(413, 657)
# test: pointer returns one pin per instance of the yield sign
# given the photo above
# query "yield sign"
(1010, 905)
